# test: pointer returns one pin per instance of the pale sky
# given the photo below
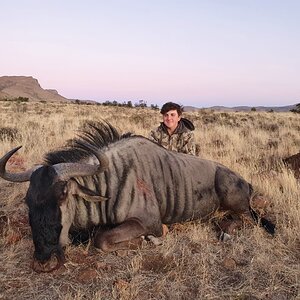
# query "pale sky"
(200, 53)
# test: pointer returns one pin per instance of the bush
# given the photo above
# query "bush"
(8, 133)
(21, 99)
(297, 109)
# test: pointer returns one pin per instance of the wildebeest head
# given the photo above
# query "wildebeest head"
(49, 188)
(44, 196)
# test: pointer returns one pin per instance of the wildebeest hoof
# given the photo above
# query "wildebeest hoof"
(224, 237)
(154, 240)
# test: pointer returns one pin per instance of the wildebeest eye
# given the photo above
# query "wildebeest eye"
(65, 190)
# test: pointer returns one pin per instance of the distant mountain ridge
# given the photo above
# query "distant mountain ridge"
(244, 108)
(12, 87)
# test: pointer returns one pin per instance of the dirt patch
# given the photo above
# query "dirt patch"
(87, 275)
(158, 263)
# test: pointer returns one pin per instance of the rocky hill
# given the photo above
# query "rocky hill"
(12, 87)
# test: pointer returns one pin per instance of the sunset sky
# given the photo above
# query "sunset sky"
(200, 53)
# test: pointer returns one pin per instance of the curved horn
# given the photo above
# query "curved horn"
(14, 177)
(66, 171)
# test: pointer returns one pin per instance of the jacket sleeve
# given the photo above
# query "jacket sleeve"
(153, 136)
(189, 144)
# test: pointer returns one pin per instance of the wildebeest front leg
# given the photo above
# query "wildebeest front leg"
(127, 235)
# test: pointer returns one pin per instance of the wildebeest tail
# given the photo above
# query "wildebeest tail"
(263, 222)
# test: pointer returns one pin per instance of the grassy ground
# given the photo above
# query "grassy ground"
(191, 263)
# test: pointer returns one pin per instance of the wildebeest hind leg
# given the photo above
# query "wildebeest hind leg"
(125, 236)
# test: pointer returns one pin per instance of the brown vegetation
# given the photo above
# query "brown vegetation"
(191, 263)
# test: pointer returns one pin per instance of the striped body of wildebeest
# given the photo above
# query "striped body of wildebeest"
(127, 183)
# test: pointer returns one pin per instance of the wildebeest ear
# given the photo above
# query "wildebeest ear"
(77, 189)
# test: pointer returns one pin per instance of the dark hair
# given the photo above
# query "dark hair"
(171, 106)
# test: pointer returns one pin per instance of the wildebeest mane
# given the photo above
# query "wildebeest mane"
(97, 134)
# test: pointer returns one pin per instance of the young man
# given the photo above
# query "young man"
(174, 133)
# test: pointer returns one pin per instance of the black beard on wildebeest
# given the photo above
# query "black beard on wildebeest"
(45, 215)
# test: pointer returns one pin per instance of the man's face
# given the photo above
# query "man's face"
(171, 119)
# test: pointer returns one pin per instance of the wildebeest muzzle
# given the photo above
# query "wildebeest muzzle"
(50, 262)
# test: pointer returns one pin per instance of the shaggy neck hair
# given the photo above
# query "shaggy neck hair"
(96, 134)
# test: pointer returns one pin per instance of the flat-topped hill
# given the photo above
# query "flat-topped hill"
(12, 87)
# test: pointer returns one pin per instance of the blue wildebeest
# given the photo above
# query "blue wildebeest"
(126, 182)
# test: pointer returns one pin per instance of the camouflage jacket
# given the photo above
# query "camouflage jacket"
(182, 140)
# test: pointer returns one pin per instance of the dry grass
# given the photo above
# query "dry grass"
(191, 263)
